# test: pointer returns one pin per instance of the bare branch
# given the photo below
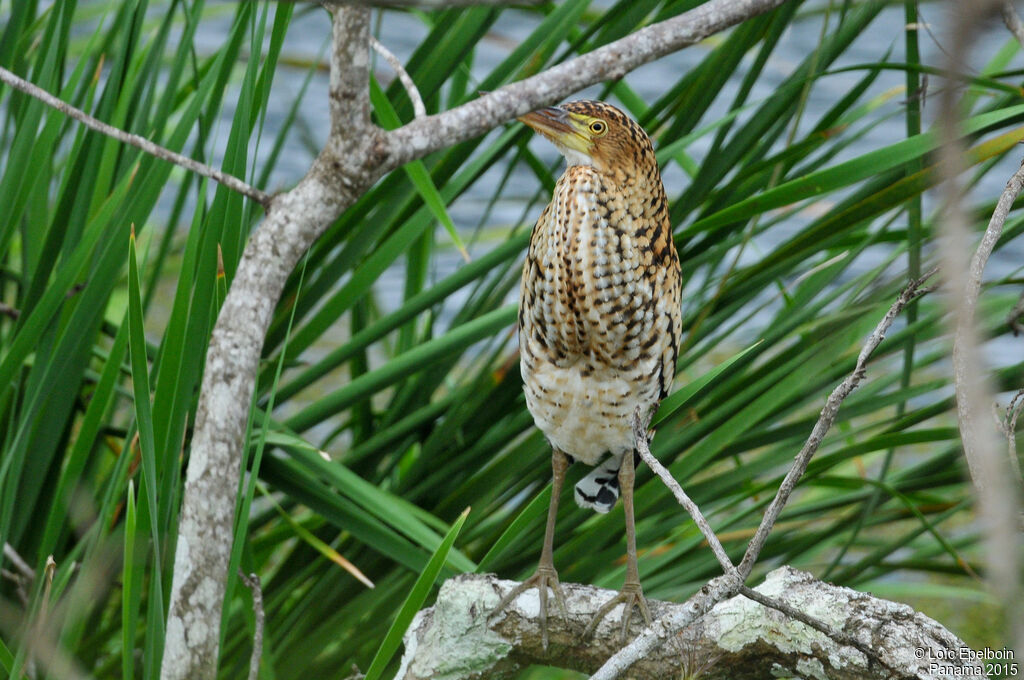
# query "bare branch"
(732, 583)
(825, 421)
(252, 582)
(609, 62)
(643, 448)
(744, 639)
(230, 181)
(419, 110)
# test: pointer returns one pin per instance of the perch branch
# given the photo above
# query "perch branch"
(731, 584)
(746, 639)
(822, 627)
(230, 181)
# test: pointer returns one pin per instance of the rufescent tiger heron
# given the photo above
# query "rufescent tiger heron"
(599, 320)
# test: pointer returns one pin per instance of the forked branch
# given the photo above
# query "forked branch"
(733, 582)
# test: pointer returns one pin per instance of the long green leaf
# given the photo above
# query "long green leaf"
(420, 589)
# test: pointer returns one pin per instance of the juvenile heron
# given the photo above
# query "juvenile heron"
(599, 320)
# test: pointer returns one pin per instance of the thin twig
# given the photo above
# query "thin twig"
(1012, 21)
(822, 627)
(1008, 425)
(825, 421)
(418, 108)
(230, 181)
(19, 563)
(23, 575)
(252, 582)
(643, 448)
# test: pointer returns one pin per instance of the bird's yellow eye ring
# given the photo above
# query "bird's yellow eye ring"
(598, 127)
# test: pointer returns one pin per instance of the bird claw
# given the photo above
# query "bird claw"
(545, 577)
(631, 595)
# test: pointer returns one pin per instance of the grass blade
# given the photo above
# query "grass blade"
(424, 584)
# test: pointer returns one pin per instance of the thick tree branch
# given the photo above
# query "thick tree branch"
(817, 624)
(230, 181)
(744, 639)
(610, 62)
(294, 220)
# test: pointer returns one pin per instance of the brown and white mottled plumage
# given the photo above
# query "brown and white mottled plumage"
(599, 316)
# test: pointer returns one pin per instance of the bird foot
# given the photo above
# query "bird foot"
(545, 577)
(631, 595)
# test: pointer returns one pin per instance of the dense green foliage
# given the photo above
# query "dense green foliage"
(419, 405)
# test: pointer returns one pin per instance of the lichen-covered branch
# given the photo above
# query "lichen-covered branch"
(294, 220)
(743, 639)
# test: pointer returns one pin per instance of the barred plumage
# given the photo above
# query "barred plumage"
(599, 317)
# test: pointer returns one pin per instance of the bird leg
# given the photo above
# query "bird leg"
(631, 595)
(545, 577)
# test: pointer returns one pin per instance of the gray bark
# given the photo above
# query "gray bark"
(738, 639)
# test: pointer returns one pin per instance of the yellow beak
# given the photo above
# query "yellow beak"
(561, 127)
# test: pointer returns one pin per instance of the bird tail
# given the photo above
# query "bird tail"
(599, 490)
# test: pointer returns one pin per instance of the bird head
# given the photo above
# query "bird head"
(597, 134)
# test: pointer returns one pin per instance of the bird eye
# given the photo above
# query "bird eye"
(598, 127)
